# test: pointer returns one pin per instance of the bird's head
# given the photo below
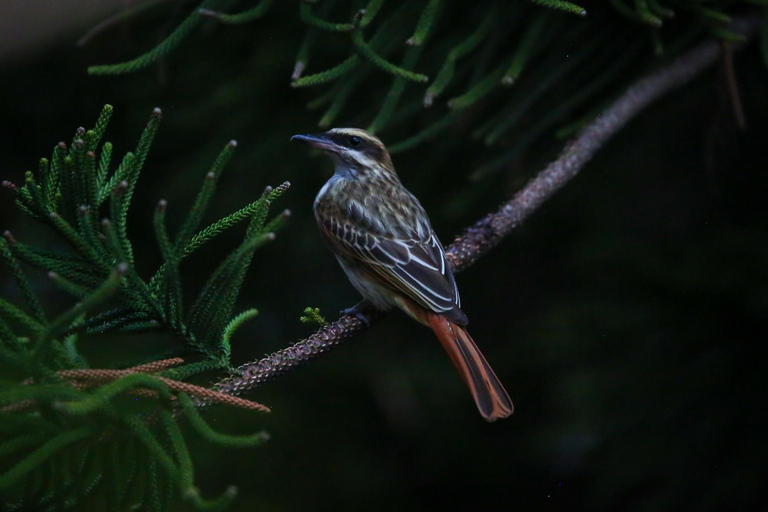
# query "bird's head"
(355, 152)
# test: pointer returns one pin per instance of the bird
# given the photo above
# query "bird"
(384, 242)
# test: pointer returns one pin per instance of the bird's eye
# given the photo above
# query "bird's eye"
(354, 141)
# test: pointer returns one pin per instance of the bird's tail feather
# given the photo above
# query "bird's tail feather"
(491, 398)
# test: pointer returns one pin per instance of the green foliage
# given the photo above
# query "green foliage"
(313, 316)
(165, 47)
(64, 425)
(483, 61)
(427, 19)
(241, 17)
(466, 46)
(562, 6)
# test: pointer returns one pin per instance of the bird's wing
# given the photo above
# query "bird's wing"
(416, 268)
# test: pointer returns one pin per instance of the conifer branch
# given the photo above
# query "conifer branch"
(426, 20)
(446, 72)
(97, 268)
(308, 17)
(396, 91)
(328, 75)
(524, 50)
(241, 17)
(173, 40)
(366, 51)
(562, 5)
(485, 234)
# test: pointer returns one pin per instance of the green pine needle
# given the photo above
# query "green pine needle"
(43, 453)
(341, 95)
(426, 21)
(101, 175)
(446, 72)
(479, 90)
(74, 289)
(524, 50)
(313, 316)
(164, 48)
(52, 464)
(329, 75)
(22, 282)
(561, 5)
(173, 297)
(367, 52)
(395, 92)
(230, 329)
(101, 127)
(305, 12)
(204, 197)
(132, 174)
(241, 17)
(9, 312)
(204, 430)
(63, 321)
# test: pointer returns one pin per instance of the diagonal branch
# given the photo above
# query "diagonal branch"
(486, 233)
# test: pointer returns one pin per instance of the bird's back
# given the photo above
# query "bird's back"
(382, 227)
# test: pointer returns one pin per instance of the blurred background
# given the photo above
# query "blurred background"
(625, 317)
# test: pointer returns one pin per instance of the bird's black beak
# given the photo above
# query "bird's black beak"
(318, 141)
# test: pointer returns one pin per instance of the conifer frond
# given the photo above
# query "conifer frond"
(302, 57)
(172, 289)
(203, 199)
(366, 51)
(22, 282)
(561, 5)
(329, 75)
(242, 17)
(312, 315)
(232, 326)
(203, 429)
(305, 11)
(164, 48)
(479, 90)
(425, 22)
(383, 37)
(445, 74)
(105, 409)
(341, 95)
(524, 50)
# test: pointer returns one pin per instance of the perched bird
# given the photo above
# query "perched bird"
(383, 240)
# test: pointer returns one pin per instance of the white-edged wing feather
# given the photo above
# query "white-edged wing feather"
(414, 267)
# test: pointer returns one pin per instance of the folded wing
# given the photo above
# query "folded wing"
(415, 267)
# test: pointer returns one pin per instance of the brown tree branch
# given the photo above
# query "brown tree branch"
(486, 233)
(86, 378)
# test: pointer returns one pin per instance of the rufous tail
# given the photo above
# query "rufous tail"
(490, 396)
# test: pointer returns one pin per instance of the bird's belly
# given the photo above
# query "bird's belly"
(378, 295)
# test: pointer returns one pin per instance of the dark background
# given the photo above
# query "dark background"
(626, 317)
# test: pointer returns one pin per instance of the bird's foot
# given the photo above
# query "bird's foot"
(358, 311)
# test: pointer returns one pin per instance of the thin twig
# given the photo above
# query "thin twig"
(486, 233)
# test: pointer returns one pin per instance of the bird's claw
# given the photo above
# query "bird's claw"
(357, 312)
